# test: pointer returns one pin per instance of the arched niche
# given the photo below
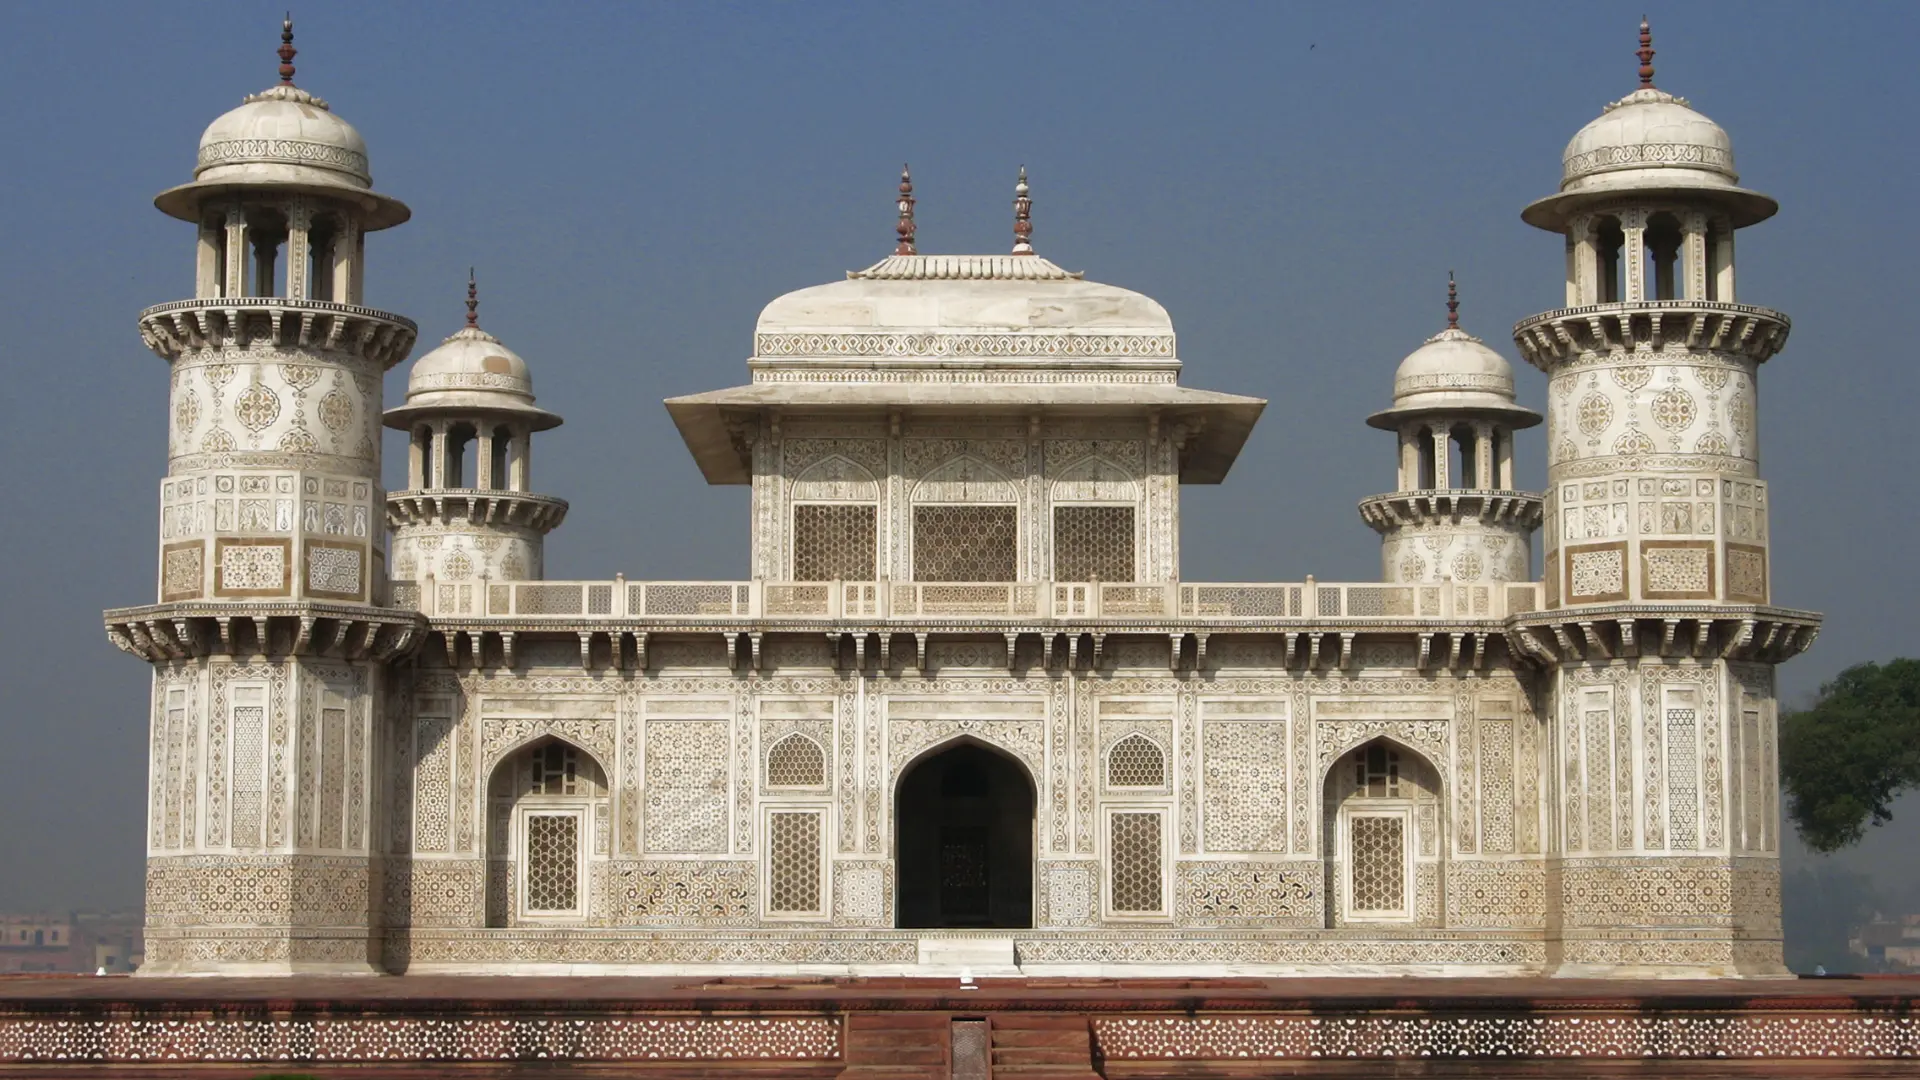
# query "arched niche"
(1383, 836)
(548, 817)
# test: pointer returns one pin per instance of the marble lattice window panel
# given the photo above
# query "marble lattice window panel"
(1133, 861)
(1136, 762)
(833, 542)
(796, 761)
(1379, 863)
(965, 543)
(553, 863)
(793, 863)
(1093, 542)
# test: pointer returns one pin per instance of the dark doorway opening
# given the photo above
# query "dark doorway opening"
(964, 822)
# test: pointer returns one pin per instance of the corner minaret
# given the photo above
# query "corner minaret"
(469, 515)
(1454, 514)
(1658, 641)
(268, 638)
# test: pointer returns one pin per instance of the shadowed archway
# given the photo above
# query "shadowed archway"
(964, 840)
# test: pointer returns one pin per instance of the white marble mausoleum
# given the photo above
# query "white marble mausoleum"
(962, 710)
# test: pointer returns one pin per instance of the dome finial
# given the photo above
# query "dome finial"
(906, 227)
(1453, 304)
(473, 300)
(1022, 216)
(287, 51)
(1646, 54)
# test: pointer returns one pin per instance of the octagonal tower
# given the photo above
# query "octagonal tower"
(1659, 640)
(270, 631)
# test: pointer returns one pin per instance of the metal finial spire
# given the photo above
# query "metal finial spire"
(1022, 216)
(473, 300)
(906, 227)
(287, 51)
(1646, 54)
(1453, 304)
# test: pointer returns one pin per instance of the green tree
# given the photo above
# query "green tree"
(1845, 759)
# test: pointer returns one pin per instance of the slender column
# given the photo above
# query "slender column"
(1440, 479)
(299, 247)
(1409, 460)
(206, 277)
(1585, 272)
(1694, 254)
(346, 261)
(234, 281)
(416, 460)
(522, 468)
(1633, 252)
(1723, 260)
(358, 283)
(483, 456)
(1483, 466)
(1505, 465)
(438, 445)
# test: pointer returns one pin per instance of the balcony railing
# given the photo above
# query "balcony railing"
(697, 602)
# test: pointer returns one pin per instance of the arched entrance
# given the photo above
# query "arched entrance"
(964, 840)
(547, 815)
(1382, 837)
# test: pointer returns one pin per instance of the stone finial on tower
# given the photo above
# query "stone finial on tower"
(1645, 53)
(906, 227)
(287, 51)
(1453, 303)
(473, 300)
(1022, 216)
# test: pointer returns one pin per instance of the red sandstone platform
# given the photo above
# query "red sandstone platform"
(874, 1029)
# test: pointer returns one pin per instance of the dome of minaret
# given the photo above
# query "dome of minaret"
(1454, 372)
(1649, 142)
(287, 138)
(471, 372)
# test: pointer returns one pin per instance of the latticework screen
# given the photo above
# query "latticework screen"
(796, 761)
(1379, 863)
(965, 543)
(1133, 858)
(1136, 762)
(1093, 542)
(793, 862)
(833, 542)
(553, 862)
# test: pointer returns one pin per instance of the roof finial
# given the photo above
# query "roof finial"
(1022, 216)
(473, 300)
(906, 227)
(1646, 54)
(287, 50)
(1453, 304)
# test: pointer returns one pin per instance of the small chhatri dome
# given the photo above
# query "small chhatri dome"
(283, 137)
(1454, 372)
(1649, 142)
(471, 372)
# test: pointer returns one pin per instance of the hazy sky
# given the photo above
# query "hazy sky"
(635, 182)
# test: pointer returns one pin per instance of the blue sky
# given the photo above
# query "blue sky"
(634, 182)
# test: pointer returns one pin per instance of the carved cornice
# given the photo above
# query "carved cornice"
(184, 631)
(1624, 631)
(1017, 344)
(1551, 337)
(1509, 509)
(473, 506)
(173, 330)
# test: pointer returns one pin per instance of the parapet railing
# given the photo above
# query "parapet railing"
(698, 602)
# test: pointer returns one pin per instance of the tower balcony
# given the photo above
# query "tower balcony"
(475, 506)
(1507, 509)
(184, 326)
(1553, 337)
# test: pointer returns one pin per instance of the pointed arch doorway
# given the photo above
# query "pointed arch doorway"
(964, 845)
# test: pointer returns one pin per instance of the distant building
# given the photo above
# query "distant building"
(965, 709)
(1893, 942)
(36, 943)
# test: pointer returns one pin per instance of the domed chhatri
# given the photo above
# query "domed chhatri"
(286, 138)
(1645, 143)
(472, 371)
(1453, 371)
